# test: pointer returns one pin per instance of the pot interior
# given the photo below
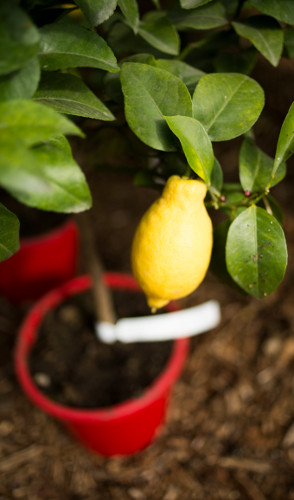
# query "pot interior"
(73, 368)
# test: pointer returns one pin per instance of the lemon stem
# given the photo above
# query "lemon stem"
(188, 172)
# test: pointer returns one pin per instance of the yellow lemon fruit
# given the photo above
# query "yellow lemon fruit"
(172, 245)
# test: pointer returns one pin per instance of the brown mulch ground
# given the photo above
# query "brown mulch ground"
(230, 427)
(229, 433)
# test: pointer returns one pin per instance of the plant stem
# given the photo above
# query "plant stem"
(188, 172)
(189, 48)
(239, 8)
(103, 305)
(267, 205)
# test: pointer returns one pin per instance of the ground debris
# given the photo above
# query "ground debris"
(229, 432)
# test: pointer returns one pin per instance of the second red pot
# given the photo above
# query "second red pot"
(42, 263)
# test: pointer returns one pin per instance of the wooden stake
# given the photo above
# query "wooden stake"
(103, 304)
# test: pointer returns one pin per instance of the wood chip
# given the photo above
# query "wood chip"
(251, 488)
(247, 464)
(288, 440)
(20, 457)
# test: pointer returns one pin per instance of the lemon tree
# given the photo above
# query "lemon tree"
(167, 83)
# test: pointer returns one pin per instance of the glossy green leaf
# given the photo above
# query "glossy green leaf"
(227, 104)
(9, 233)
(130, 10)
(20, 84)
(266, 35)
(141, 58)
(68, 94)
(19, 38)
(66, 45)
(161, 34)
(112, 80)
(32, 122)
(218, 256)
(45, 176)
(206, 17)
(256, 252)
(283, 10)
(289, 42)
(188, 74)
(97, 11)
(191, 4)
(150, 94)
(195, 143)
(255, 167)
(285, 146)
(216, 176)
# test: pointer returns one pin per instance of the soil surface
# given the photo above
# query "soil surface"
(71, 366)
(229, 431)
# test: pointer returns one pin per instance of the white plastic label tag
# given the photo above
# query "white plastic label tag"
(166, 326)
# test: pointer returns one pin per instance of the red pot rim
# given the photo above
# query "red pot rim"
(28, 334)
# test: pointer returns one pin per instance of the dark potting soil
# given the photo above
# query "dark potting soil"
(72, 367)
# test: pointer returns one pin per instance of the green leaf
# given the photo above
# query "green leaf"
(32, 122)
(130, 10)
(9, 233)
(141, 58)
(191, 4)
(188, 74)
(195, 143)
(255, 167)
(227, 104)
(45, 177)
(66, 45)
(266, 35)
(217, 176)
(97, 11)
(204, 18)
(256, 252)
(19, 38)
(161, 34)
(218, 256)
(68, 94)
(112, 80)
(285, 146)
(150, 94)
(20, 84)
(283, 10)
(289, 42)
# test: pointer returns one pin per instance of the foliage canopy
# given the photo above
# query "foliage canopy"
(179, 74)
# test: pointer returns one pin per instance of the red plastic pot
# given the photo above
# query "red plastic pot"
(41, 264)
(119, 430)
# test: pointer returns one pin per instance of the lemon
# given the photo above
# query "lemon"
(172, 244)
